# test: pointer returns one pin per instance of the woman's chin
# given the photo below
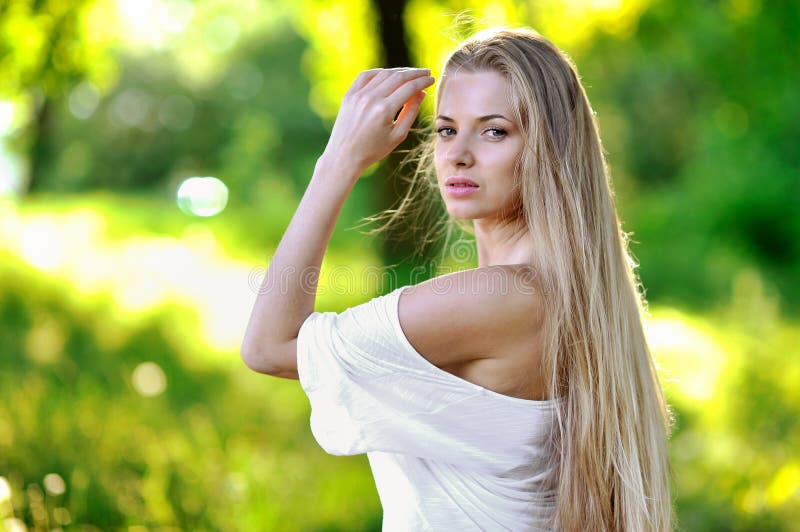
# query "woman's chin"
(460, 214)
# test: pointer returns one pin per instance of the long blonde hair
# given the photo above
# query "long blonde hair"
(614, 424)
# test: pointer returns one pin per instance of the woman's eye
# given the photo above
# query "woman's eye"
(501, 132)
(439, 131)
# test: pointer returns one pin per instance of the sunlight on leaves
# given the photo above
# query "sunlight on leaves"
(688, 353)
(785, 485)
(343, 41)
(5, 490)
(144, 272)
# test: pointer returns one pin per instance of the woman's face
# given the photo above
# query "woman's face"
(477, 140)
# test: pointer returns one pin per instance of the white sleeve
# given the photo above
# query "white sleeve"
(371, 391)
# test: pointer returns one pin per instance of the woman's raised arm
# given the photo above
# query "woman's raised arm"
(365, 132)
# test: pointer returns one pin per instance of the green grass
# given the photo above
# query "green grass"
(223, 448)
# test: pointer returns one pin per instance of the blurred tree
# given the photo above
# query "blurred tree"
(700, 110)
(245, 120)
(155, 127)
(46, 47)
(393, 32)
(399, 247)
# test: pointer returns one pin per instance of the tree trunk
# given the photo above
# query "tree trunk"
(397, 247)
(40, 148)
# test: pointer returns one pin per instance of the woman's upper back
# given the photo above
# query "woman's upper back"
(481, 325)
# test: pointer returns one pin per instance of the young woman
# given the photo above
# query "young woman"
(519, 395)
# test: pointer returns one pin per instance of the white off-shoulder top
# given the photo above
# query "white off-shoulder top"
(445, 453)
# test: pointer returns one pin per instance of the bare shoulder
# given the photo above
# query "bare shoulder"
(470, 315)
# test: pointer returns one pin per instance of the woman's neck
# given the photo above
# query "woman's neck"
(502, 242)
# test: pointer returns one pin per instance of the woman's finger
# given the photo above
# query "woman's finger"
(363, 79)
(396, 78)
(408, 115)
(407, 90)
(371, 77)
(378, 79)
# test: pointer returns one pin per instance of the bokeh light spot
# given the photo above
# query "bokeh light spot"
(131, 107)
(41, 246)
(34, 493)
(5, 490)
(176, 15)
(221, 34)
(6, 117)
(202, 196)
(45, 340)
(244, 80)
(61, 516)
(54, 484)
(149, 379)
(83, 100)
(12, 524)
(12, 168)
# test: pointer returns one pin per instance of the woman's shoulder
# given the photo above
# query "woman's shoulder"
(482, 287)
(469, 315)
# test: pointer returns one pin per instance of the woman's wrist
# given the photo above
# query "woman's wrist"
(340, 169)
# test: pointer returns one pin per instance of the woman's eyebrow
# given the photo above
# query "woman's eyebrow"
(479, 119)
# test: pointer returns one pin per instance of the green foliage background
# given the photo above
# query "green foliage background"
(699, 113)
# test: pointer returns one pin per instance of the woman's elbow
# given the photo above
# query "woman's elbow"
(279, 360)
(255, 360)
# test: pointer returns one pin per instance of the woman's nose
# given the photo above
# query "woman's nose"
(459, 153)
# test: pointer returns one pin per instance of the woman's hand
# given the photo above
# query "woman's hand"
(365, 130)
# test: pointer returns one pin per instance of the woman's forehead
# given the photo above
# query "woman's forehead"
(469, 95)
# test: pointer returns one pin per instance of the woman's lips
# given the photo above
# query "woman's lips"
(460, 191)
(459, 180)
(459, 186)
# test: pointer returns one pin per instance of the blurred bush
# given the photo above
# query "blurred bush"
(112, 418)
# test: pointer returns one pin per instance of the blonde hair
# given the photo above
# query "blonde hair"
(613, 425)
